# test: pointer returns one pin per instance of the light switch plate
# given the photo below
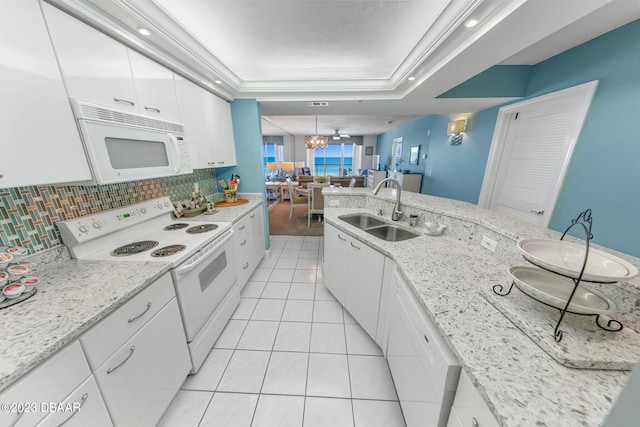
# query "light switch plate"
(489, 244)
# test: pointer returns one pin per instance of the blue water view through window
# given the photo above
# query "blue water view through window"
(339, 160)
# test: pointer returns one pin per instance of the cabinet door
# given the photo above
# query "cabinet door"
(95, 67)
(142, 377)
(155, 88)
(257, 232)
(364, 282)
(38, 128)
(244, 257)
(83, 407)
(52, 381)
(335, 262)
(197, 111)
(225, 144)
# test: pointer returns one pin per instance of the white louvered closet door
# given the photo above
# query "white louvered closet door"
(536, 147)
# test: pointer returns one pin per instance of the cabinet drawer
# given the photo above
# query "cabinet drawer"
(241, 226)
(52, 381)
(243, 249)
(139, 381)
(470, 405)
(84, 407)
(103, 339)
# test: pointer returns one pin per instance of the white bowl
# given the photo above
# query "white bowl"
(17, 271)
(4, 278)
(13, 290)
(30, 282)
(5, 259)
(18, 253)
(433, 229)
(567, 258)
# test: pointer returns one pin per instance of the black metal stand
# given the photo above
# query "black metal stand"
(585, 221)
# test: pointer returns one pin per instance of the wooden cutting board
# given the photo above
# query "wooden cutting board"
(226, 204)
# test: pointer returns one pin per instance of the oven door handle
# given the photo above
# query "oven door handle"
(196, 259)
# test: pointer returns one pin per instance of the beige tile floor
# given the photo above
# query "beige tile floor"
(290, 356)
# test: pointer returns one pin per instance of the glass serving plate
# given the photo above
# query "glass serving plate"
(566, 258)
(554, 290)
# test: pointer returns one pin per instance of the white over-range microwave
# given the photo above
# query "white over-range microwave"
(122, 146)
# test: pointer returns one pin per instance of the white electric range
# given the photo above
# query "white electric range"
(200, 255)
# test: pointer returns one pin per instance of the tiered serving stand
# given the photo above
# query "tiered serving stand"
(563, 267)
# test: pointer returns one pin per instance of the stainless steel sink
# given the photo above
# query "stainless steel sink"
(362, 221)
(378, 228)
(391, 233)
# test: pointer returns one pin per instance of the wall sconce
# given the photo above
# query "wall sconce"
(455, 129)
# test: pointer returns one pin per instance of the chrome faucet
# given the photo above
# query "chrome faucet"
(396, 213)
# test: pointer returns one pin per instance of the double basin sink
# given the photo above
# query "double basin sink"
(378, 228)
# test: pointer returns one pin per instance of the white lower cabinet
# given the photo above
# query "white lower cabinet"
(424, 370)
(469, 408)
(84, 407)
(354, 276)
(142, 377)
(248, 244)
(51, 382)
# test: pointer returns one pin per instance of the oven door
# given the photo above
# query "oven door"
(124, 153)
(201, 284)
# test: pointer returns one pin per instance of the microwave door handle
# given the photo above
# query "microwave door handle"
(175, 153)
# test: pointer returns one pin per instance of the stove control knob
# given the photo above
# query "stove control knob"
(143, 210)
(83, 229)
(159, 205)
(166, 204)
(97, 224)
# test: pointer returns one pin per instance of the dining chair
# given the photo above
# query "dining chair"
(352, 183)
(295, 201)
(316, 201)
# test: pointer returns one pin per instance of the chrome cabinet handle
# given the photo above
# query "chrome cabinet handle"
(241, 228)
(221, 163)
(211, 163)
(344, 239)
(131, 350)
(244, 267)
(124, 101)
(252, 216)
(357, 247)
(83, 400)
(244, 242)
(538, 212)
(1, 175)
(152, 109)
(474, 422)
(426, 339)
(15, 421)
(133, 319)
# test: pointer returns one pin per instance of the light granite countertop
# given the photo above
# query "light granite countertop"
(73, 295)
(522, 385)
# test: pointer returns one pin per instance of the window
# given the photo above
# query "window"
(338, 159)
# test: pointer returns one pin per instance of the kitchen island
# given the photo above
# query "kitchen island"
(522, 385)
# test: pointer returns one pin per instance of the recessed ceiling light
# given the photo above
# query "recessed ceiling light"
(144, 31)
(218, 82)
(471, 23)
(411, 78)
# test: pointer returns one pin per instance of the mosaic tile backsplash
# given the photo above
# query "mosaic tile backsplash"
(27, 214)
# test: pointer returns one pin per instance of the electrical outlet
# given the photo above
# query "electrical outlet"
(334, 203)
(488, 243)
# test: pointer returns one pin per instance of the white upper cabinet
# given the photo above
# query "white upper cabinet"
(41, 144)
(98, 69)
(155, 88)
(207, 126)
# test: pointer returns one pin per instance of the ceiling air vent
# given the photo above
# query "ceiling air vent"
(317, 104)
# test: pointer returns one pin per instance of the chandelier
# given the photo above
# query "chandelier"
(315, 142)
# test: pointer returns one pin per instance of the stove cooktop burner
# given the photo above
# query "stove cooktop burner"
(197, 229)
(178, 226)
(134, 248)
(168, 250)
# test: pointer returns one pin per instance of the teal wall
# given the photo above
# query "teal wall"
(497, 81)
(604, 173)
(451, 171)
(247, 133)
